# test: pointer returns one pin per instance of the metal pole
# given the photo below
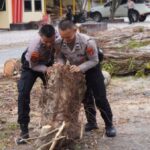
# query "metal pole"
(101, 2)
(89, 5)
(74, 6)
(61, 12)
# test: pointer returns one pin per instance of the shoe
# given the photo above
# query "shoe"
(23, 135)
(111, 131)
(22, 138)
(90, 126)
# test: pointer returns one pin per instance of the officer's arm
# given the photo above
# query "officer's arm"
(33, 47)
(92, 54)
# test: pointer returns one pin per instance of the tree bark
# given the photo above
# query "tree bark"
(114, 7)
(61, 102)
(126, 51)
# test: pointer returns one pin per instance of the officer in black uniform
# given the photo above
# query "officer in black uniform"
(35, 63)
(82, 53)
(130, 5)
(69, 14)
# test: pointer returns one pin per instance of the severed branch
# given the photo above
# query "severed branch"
(34, 138)
(47, 144)
(82, 128)
(57, 135)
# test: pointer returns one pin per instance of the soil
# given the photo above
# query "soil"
(129, 99)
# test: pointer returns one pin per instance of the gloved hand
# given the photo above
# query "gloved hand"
(35, 56)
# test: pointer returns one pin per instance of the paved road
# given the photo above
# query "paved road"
(16, 37)
(8, 38)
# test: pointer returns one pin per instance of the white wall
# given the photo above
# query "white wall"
(33, 16)
(5, 16)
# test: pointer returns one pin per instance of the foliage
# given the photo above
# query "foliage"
(136, 44)
(140, 73)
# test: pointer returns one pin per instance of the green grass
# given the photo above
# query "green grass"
(109, 67)
(147, 65)
(139, 74)
(131, 64)
(114, 68)
(77, 147)
(12, 126)
(2, 146)
(136, 44)
(4, 135)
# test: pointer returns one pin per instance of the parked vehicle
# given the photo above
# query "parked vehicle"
(141, 11)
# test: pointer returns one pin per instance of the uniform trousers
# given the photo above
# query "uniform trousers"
(96, 94)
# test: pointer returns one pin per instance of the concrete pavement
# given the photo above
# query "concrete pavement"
(9, 38)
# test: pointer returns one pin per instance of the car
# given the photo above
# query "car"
(141, 11)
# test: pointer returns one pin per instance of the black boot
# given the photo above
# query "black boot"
(23, 135)
(90, 126)
(110, 131)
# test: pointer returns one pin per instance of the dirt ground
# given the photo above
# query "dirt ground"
(129, 99)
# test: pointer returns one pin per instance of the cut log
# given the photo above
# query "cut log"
(12, 67)
(61, 102)
(126, 51)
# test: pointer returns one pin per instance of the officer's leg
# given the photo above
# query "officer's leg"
(99, 92)
(25, 85)
(90, 111)
(132, 19)
(129, 16)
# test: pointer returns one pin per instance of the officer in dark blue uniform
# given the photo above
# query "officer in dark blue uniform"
(82, 53)
(35, 63)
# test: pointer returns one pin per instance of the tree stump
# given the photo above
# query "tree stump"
(61, 102)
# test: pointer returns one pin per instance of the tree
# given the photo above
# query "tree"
(114, 5)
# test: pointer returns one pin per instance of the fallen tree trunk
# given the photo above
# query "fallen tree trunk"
(126, 51)
(128, 64)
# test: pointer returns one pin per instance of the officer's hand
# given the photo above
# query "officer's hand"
(74, 68)
(49, 70)
(35, 56)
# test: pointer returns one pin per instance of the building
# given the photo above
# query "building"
(13, 12)
(20, 12)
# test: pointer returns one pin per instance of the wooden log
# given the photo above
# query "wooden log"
(11, 67)
(62, 101)
(126, 51)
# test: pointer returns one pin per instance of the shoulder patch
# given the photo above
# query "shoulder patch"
(90, 51)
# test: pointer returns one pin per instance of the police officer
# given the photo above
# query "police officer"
(35, 63)
(81, 51)
(130, 5)
(69, 14)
